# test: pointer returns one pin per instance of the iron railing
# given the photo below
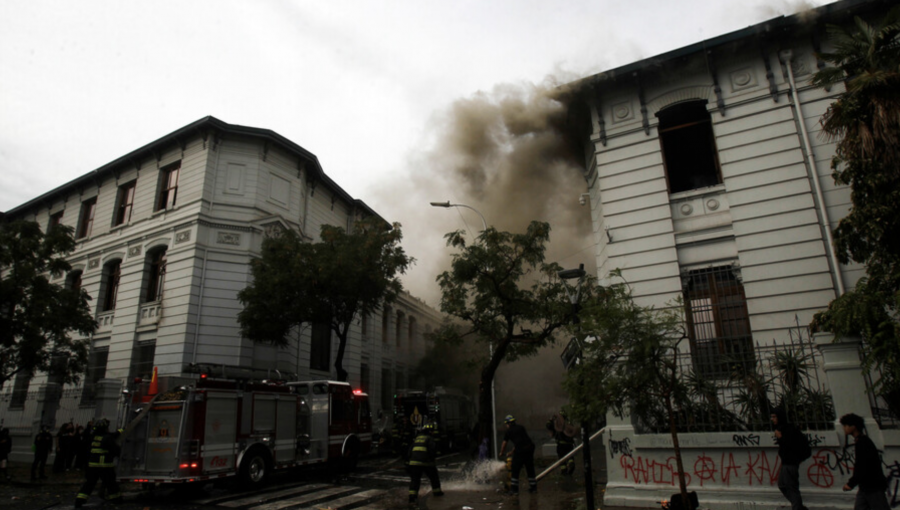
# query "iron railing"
(739, 390)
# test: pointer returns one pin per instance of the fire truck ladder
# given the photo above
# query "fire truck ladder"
(236, 372)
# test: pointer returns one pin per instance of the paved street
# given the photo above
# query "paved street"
(378, 483)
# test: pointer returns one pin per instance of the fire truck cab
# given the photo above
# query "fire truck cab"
(224, 423)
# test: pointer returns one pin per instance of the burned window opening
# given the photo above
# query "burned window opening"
(688, 146)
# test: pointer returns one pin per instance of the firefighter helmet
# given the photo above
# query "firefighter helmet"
(102, 426)
(429, 427)
(509, 419)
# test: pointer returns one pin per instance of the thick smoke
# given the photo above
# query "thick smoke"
(505, 153)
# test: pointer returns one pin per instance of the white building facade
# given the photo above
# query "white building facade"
(710, 180)
(165, 235)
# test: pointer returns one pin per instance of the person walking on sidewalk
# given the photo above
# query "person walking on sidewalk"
(867, 472)
(793, 448)
(523, 454)
(421, 456)
(101, 465)
(5, 448)
(43, 443)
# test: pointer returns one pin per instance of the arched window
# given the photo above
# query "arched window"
(112, 272)
(156, 275)
(688, 146)
(73, 281)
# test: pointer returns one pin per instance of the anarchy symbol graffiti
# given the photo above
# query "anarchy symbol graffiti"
(820, 475)
(705, 469)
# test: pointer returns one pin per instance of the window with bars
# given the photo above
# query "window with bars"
(717, 320)
(156, 275)
(320, 347)
(20, 390)
(385, 323)
(112, 273)
(86, 221)
(688, 146)
(168, 186)
(142, 360)
(96, 370)
(124, 203)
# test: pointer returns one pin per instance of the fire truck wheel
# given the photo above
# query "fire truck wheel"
(350, 453)
(255, 467)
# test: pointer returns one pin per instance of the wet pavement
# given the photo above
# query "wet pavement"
(463, 488)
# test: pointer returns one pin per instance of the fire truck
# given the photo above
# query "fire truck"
(451, 412)
(233, 421)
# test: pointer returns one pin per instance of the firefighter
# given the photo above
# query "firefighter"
(564, 434)
(421, 460)
(101, 464)
(523, 454)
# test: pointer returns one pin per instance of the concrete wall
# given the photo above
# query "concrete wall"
(739, 470)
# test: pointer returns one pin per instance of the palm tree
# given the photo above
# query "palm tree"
(867, 59)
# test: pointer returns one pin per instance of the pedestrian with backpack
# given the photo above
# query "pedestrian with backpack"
(793, 448)
(867, 472)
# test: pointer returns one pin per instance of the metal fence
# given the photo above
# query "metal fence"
(739, 390)
(70, 408)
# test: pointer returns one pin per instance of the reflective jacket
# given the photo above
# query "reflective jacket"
(104, 450)
(423, 450)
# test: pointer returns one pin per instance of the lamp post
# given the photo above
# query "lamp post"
(447, 204)
(574, 298)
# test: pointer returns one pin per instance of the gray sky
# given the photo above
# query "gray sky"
(360, 84)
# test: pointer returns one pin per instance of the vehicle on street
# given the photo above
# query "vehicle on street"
(238, 422)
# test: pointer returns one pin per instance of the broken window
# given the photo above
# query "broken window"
(718, 322)
(688, 146)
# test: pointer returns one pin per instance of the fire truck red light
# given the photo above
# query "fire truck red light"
(203, 376)
(193, 464)
(183, 466)
(357, 392)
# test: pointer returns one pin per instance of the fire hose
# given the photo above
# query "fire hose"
(567, 456)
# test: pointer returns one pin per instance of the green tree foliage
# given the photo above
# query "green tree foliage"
(505, 295)
(629, 363)
(450, 366)
(37, 317)
(338, 279)
(865, 122)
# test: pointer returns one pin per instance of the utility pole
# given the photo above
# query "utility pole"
(574, 298)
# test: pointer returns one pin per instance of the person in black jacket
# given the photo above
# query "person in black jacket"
(564, 434)
(421, 457)
(523, 454)
(5, 448)
(43, 443)
(791, 443)
(867, 472)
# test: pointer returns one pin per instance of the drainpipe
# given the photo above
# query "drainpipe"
(786, 56)
(199, 306)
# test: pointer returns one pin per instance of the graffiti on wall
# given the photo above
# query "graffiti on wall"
(829, 468)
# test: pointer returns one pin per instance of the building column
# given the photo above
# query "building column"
(108, 393)
(843, 369)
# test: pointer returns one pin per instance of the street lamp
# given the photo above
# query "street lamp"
(447, 204)
(574, 298)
